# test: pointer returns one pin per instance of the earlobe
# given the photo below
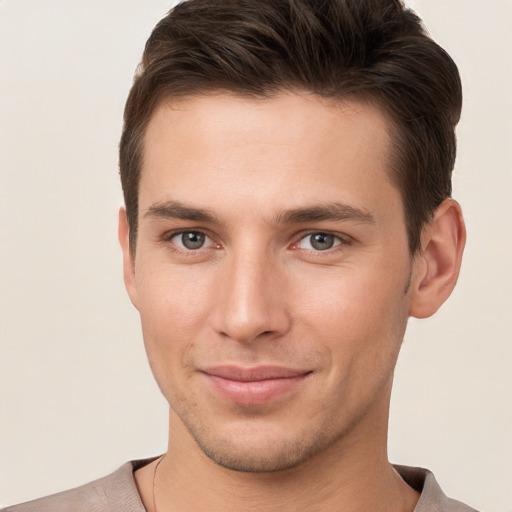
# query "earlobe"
(128, 257)
(438, 264)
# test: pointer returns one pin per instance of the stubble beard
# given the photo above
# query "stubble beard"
(272, 454)
(277, 455)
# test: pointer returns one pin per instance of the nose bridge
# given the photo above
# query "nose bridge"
(250, 302)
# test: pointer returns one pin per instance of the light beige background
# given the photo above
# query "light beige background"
(77, 398)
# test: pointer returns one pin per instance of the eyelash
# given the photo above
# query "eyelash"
(343, 241)
(188, 252)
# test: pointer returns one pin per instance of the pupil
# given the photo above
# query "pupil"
(322, 241)
(192, 240)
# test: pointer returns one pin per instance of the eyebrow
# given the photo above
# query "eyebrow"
(307, 214)
(176, 210)
(329, 211)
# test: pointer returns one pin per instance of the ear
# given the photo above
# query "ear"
(128, 257)
(437, 266)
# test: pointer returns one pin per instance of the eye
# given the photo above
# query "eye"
(319, 242)
(190, 240)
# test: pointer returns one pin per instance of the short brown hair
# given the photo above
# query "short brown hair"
(376, 49)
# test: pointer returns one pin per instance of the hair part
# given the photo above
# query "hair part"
(376, 49)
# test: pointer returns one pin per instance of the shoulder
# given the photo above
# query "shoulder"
(116, 491)
(432, 498)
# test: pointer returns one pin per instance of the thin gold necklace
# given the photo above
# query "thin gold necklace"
(154, 479)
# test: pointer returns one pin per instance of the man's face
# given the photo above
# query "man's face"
(271, 274)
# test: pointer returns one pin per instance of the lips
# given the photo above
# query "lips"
(253, 386)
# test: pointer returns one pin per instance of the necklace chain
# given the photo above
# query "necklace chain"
(154, 480)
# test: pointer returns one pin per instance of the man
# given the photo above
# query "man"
(286, 167)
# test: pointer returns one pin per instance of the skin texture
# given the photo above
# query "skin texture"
(266, 175)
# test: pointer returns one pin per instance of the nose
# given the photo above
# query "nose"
(251, 303)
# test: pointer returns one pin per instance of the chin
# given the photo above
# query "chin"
(261, 453)
(256, 460)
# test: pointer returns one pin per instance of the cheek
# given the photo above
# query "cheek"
(358, 316)
(173, 306)
(172, 297)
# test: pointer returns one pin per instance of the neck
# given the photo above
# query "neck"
(354, 474)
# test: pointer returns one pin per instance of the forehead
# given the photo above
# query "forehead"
(285, 118)
(291, 147)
